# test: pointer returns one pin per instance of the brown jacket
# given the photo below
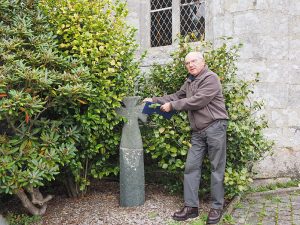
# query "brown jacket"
(202, 98)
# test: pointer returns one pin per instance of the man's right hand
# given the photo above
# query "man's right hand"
(148, 100)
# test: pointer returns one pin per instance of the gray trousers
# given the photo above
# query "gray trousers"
(211, 141)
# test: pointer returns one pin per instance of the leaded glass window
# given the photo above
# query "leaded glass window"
(188, 17)
(161, 22)
(192, 18)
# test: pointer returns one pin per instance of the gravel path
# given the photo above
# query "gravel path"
(101, 206)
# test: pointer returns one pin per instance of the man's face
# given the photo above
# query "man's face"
(194, 64)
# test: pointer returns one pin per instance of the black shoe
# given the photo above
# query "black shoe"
(186, 213)
(214, 216)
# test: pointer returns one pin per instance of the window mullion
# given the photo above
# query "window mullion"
(145, 23)
(175, 19)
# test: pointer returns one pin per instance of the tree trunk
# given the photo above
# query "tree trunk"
(28, 204)
(70, 186)
(37, 197)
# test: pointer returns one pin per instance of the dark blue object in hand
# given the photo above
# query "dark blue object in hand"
(149, 110)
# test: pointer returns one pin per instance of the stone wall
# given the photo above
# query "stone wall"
(270, 33)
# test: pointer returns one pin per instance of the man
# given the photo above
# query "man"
(201, 95)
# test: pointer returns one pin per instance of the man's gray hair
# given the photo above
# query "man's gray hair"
(199, 55)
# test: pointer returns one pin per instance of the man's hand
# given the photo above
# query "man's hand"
(148, 100)
(167, 107)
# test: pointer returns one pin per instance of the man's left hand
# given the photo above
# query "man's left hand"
(167, 107)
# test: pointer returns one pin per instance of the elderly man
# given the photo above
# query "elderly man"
(201, 95)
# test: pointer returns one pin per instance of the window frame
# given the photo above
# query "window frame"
(145, 24)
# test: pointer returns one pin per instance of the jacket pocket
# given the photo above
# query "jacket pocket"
(210, 113)
(202, 118)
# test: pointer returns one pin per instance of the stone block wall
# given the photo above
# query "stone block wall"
(270, 33)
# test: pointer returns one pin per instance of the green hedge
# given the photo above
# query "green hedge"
(41, 92)
(96, 32)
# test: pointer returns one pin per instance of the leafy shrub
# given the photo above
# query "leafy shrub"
(168, 141)
(41, 91)
(22, 219)
(96, 32)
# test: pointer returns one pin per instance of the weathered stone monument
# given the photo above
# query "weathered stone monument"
(2, 220)
(132, 178)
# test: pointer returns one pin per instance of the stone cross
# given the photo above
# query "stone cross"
(2, 220)
(132, 178)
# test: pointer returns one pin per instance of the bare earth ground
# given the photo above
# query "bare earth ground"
(101, 206)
